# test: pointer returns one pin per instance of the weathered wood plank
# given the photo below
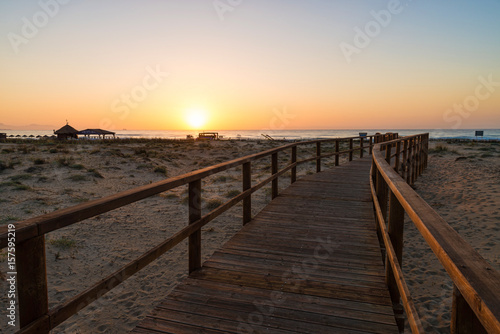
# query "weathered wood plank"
(310, 262)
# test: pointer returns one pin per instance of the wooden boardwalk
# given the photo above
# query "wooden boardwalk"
(310, 262)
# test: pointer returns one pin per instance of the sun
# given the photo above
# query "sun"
(196, 118)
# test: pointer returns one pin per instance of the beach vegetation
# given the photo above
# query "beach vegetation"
(441, 149)
(161, 170)
(77, 178)
(213, 204)
(53, 150)
(95, 151)
(221, 178)
(169, 195)
(64, 161)
(21, 187)
(77, 166)
(39, 161)
(232, 193)
(7, 151)
(486, 155)
(63, 243)
(21, 177)
(8, 219)
(43, 179)
(95, 173)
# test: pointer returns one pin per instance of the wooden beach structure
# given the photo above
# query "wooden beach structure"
(99, 133)
(66, 132)
(310, 262)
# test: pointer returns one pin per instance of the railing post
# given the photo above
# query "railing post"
(413, 161)
(360, 147)
(371, 144)
(463, 319)
(318, 159)
(337, 150)
(351, 146)
(31, 280)
(409, 171)
(404, 164)
(398, 152)
(388, 152)
(395, 228)
(247, 184)
(195, 215)
(274, 170)
(294, 169)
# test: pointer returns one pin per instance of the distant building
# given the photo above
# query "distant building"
(66, 132)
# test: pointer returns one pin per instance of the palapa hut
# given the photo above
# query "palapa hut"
(66, 132)
(96, 132)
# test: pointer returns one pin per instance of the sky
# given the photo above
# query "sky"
(250, 64)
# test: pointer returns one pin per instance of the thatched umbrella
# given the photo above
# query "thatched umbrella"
(66, 132)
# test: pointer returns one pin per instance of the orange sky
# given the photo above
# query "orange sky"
(277, 65)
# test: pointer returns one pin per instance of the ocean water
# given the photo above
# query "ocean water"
(489, 134)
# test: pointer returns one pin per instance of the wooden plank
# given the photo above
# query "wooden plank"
(313, 246)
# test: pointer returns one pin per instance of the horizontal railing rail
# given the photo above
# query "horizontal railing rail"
(476, 292)
(34, 314)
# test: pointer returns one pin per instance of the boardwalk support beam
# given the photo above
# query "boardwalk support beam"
(195, 215)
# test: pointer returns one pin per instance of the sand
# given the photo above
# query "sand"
(462, 183)
(40, 178)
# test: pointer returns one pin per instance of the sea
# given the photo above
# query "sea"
(488, 134)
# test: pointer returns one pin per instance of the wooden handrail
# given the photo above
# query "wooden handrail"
(30, 233)
(476, 284)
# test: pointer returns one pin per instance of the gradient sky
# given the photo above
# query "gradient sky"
(262, 64)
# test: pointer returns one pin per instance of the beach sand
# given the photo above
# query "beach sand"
(462, 184)
(39, 178)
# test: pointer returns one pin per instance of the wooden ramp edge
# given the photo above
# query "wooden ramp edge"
(309, 262)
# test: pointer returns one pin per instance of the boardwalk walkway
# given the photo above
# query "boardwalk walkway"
(310, 262)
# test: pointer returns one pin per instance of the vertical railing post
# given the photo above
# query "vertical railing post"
(395, 228)
(318, 155)
(371, 144)
(388, 152)
(360, 147)
(293, 176)
(337, 150)
(194, 215)
(351, 146)
(397, 161)
(409, 161)
(31, 280)
(247, 184)
(463, 319)
(413, 161)
(274, 170)
(404, 164)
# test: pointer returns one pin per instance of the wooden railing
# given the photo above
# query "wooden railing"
(34, 314)
(476, 291)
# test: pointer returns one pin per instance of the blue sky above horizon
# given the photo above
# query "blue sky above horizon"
(92, 63)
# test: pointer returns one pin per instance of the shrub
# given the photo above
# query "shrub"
(77, 178)
(161, 170)
(93, 172)
(213, 204)
(39, 161)
(233, 193)
(63, 243)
